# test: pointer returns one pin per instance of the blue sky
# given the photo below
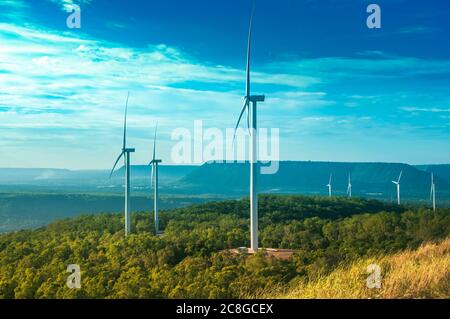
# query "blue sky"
(335, 89)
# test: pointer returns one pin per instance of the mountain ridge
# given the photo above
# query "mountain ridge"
(369, 179)
(311, 177)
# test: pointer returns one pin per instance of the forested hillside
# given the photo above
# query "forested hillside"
(30, 210)
(191, 259)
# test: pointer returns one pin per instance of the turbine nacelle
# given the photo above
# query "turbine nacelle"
(125, 149)
(256, 98)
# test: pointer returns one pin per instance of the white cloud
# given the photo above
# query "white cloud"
(66, 91)
(67, 5)
(69, 87)
(416, 30)
(376, 65)
(13, 10)
(426, 110)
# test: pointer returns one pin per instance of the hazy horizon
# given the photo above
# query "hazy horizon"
(195, 164)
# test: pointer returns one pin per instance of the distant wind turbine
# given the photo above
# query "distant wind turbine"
(126, 155)
(329, 185)
(397, 183)
(251, 123)
(154, 182)
(349, 187)
(433, 192)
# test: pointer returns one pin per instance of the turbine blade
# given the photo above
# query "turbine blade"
(247, 88)
(154, 142)
(115, 164)
(244, 106)
(400, 176)
(125, 123)
(432, 186)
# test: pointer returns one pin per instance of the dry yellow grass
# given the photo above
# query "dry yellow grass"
(424, 273)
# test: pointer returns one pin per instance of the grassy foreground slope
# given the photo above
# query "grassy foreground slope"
(421, 273)
(191, 259)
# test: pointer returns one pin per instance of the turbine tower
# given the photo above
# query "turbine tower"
(329, 186)
(250, 103)
(433, 192)
(154, 183)
(349, 187)
(397, 183)
(126, 155)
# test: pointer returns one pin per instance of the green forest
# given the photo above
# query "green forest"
(191, 259)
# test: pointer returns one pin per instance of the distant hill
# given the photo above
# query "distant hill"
(166, 172)
(441, 170)
(65, 177)
(21, 175)
(31, 210)
(373, 180)
(368, 179)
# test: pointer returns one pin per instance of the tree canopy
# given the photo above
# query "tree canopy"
(191, 259)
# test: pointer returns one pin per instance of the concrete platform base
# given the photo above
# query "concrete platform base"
(284, 254)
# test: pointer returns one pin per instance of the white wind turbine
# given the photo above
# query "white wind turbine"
(329, 185)
(126, 155)
(397, 183)
(349, 187)
(250, 102)
(433, 192)
(154, 183)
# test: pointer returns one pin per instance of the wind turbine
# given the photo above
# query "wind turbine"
(154, 182)
(126, 156)
(329, 185)
(349, 187)
(398, 187)
(250, 103)
(433, 192)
